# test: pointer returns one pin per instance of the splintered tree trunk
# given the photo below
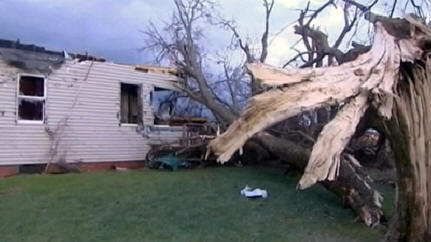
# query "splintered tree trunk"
(410, 132)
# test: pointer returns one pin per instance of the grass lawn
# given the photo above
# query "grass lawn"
(188, 205)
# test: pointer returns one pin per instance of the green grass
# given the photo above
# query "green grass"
(188, 205)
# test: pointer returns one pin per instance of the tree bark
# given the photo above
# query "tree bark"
(410, 132)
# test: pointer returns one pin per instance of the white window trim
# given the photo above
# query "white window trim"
(128, 125)
(140, 88)
(18, 97)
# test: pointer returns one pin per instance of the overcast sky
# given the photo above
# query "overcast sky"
(110, 28)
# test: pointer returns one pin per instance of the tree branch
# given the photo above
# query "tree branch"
(393, 8)
(264, 40)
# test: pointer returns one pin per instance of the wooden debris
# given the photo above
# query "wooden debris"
(310, 88)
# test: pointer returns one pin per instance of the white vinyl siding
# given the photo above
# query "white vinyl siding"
(83, 102)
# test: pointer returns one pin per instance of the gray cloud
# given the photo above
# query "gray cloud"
(110, 28)
(104, 28)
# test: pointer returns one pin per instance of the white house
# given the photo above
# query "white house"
(56, 107)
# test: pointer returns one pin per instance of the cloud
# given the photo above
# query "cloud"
(330, 21)
(102, 27)
(299, 3)
(110, 28)
(280, 48)
(290, 3)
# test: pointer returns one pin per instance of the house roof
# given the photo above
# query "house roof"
(17, 45)
(31, 60)
(31, 57)
(12, 44)
(36, 58)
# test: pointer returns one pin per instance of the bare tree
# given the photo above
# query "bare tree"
(251, 56)
(179, 43)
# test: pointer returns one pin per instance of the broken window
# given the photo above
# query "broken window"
(162, 103)
(130, 111)
(174, 108)
(31, 98)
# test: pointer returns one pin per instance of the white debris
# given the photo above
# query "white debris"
(253, 193)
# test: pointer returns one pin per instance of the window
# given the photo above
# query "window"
(130, 111)
(162, 102)
(31, 98)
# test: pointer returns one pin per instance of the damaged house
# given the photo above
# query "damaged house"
(62, 108)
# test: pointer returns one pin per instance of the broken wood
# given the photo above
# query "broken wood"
(410, 132)
(315, 87)
(332, 141)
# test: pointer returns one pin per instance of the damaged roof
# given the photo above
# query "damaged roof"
(36, 58)
(29, 57)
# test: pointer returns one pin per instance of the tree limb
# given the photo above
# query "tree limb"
(264, 40)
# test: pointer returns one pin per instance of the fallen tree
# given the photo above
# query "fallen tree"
(400, 46)
(179, 42)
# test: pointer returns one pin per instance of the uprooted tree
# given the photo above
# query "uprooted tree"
(394, 77)
(179, 43)
(366, 78)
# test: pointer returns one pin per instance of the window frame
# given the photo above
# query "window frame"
(150, 103)
(139, 104)
(26, 97)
